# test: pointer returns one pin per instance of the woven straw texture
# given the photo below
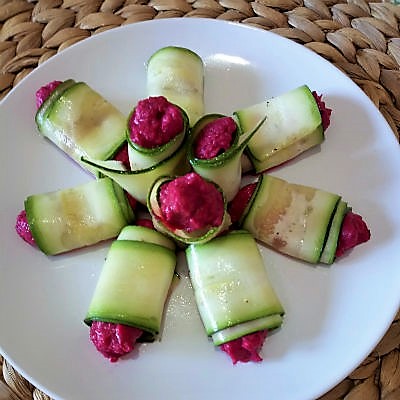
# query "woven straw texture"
(360, 37)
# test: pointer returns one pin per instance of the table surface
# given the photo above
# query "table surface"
(360, 37)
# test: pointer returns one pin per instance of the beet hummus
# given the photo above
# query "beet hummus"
(245, 348)
(354, 231)
(122, 156)
(191, 203)
(324, 111)
(113, 340)
(215, 138)
(154, 122)
(45, 91)
(23, 229)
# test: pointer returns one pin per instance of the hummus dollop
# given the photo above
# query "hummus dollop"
(122, 156)
(23, 229)
(113, 340)
(353, 232)
(215, 138)
(190, 203)
(45, 91)
(239, 203)
(245, 348)
(154, 122)
(324, 111)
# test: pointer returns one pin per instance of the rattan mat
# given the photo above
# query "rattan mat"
(360, 37)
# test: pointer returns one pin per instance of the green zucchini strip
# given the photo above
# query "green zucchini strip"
(142, 158)
(232, 289)
(329, 251)
(72, 218)
(177, 73)
(290, 218)
(134, 282)
(226, 168)
(293, 125)
(81, 122)
(138, 182)
(144, 234)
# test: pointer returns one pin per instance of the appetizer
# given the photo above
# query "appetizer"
(186, 168)
(177, 73)
(301, 221)
(156, 129)
(295, 122)
(79, 120)
(128, 302)
(157, 132)
(215, 150)
(72, 218)
(234, 296)
(188, 208)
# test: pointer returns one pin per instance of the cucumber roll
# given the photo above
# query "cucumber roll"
(234, 296)
(306, 223)
(80, 121)
(188, 208)
(72, 218)
(128, 302)
(296, 121)
(177, 73)
(215, 150)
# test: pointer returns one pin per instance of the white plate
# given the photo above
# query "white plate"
(335, 315)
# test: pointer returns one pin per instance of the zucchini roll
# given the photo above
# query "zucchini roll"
(177, 73)
(128, 302)
(295, 122)
(72, 218)
(156, 129)
(301, 221)
(235, 299)
(215, 150)
(157, 132)
(79, 120)
(188, 208)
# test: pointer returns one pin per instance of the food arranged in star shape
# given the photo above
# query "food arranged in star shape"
(185, 170)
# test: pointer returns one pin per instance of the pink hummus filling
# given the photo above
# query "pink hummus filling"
(147, 223)
(245, 348)
(324, 110)
(154, 122)
(354, 231)
(215, 138)
(44, 92)
(190, 203)
(23, 229)
(122, 155)
(113, 340)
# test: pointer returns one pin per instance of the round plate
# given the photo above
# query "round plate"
(334, 315)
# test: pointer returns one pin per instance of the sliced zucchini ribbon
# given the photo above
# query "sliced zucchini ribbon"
(149, 164)
(293, 125)
(72, 218)
(135, 280)
(232, 289)
(81, 122)
(177, 73)
(226, 168)
(297, 220)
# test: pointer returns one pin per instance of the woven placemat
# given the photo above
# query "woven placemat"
(360, 37)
